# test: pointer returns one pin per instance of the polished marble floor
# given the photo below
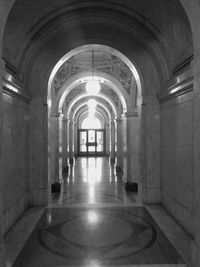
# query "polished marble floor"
(92, 180)
(95, 222)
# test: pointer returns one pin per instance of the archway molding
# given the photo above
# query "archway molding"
(100, 105)
(112, 82)
(82, 78)
(100, 98)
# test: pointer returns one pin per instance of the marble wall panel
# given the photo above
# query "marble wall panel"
(151, 128)
(176, 159)
(133, 148)
(38, 150)
(15, 163)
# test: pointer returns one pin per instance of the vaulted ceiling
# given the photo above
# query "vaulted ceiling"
(35, 26)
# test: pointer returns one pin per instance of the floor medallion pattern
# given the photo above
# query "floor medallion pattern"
(98, 237)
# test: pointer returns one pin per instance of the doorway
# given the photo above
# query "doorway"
(91, 142)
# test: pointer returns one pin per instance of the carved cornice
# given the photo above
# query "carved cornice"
(9, 67)
(14, 88)
(183, 65)
(177, 89)
(130, 114)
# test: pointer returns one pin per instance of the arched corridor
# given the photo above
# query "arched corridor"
(100, 107)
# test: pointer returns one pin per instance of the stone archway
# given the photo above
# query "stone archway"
(127, 125)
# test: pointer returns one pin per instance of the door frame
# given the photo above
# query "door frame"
(88, 153)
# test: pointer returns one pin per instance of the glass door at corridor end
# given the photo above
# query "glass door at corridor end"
(91, 142)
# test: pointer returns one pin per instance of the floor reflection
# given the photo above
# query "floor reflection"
(92, 180)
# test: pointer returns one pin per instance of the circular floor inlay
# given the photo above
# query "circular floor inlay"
(109, 234)
(103, 230)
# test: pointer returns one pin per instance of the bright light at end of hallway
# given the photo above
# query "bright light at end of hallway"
(92, 217)
(92, 103)
(93, 87)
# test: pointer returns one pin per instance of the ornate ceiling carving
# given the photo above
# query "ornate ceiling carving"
(103, 62)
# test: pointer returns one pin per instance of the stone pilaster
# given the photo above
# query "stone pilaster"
(107, 138)
(64, 143)
(196, 154)
(75, 138)
(150, 158)
(71, 142)
(131, 147)
(2, 71)
(38, 151)
(119, 123)
(54, 147)
(112, 141)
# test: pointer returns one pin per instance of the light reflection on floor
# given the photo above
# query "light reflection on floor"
(92, 180)
(117, 236)
(95, 236)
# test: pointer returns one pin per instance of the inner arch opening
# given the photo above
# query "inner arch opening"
(91, 123)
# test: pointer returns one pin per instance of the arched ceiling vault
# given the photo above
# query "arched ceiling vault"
(82, 113)
(82, 100)
(110, 87)
(39, 33)
(109, 66)
(39, 18)
(100, 107)
(85, 115)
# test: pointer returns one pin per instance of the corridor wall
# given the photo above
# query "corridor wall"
(15, 161)
(177, 183)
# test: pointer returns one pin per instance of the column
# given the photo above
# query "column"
(112, 141)
(54, 147)
(2, 71)
(64, 144)
(119, 123)
(71, 142)
(151, 150)
(38, 150)
(196, 150)
(75, 139)
(131, 147)
(107, 138)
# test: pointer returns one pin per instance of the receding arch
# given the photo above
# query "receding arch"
(86, 96)
(84, 103)
(84, 77)
(99, 47)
